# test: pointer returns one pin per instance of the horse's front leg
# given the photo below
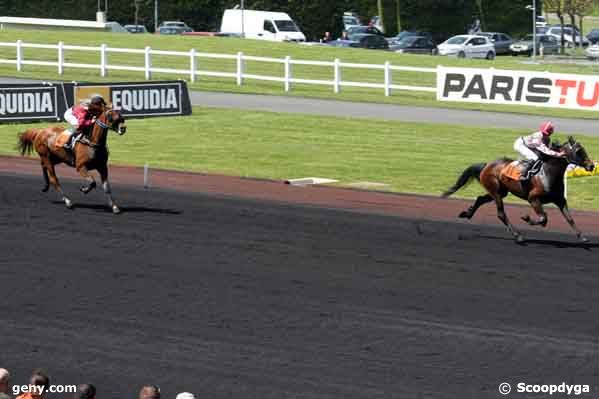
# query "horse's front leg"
(563, 207)
(537, 206)
(107, 190)
(91, 182)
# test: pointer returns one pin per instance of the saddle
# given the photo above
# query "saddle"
(61, 139)
(514, 170)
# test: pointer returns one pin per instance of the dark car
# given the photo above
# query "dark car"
(414, 45)
(524, 45)
(170, 30)
(407, 33)
(501, 41)
(360, 30)
(593, 36)
(362, 41)
(136, 29)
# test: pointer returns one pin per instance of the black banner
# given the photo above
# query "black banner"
(30, 102)
(48, 102)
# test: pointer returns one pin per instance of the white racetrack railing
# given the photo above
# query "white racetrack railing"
(193, 72)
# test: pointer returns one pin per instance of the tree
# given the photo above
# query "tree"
(559, 8)
(381, 10)
(398, 14)
(580, 9)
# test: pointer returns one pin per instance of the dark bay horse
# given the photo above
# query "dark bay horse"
(88, 153)
(545, 187)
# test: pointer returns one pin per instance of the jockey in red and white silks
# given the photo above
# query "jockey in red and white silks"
(529, 147)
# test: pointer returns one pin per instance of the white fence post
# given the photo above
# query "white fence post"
(240, 68)
(103, 61)
(337, 70)
(287, 74)
(148, 62)
(192, 65)
(61, 58)
(387, 78)
(19, 55)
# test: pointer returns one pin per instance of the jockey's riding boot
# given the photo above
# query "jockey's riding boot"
(525, 174)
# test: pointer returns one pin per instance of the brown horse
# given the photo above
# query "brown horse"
(88, 153)
(545, 187)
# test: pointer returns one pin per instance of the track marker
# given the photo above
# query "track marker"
(307, 181)
(146, 176)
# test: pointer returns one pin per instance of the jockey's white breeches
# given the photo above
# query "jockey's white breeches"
(72, 119)
(524, 151)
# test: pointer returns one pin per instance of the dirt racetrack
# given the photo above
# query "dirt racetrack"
(245, 298)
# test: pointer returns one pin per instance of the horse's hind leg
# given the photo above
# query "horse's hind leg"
(49, 168)
(480, 200)
(46, 180)
(107, 190)
(503, 217)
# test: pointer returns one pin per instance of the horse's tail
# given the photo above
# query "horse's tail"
(471, 172)
(25, 141)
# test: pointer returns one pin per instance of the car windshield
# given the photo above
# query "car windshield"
(457, 40)
(286, 26)
(406, 41)
(528, 38)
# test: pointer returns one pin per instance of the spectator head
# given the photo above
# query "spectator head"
(4, 377)
(149, 392)
(40, 380)
(85, 391)
(186, 395)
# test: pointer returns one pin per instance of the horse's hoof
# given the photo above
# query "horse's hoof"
(116, 210)
(519, 238)
(45, 189)
(68, 203)
(526, 218)
(583, 239)
(87, 189)
(465, 215)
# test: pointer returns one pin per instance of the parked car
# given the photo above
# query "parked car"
(501, 41)
(414, 45)
(468, 46)
(350, 19)
(170, 30)
(405, 33)
(524, 46)
(362, 40)
(363, 29)
(136, 29)
(541, 21)
(593, 36)
(376, 22)
(592, 52)
(176, 24)
(569, 32)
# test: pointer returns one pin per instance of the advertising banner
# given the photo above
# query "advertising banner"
(540, 89)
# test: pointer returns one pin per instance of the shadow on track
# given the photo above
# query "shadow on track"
(124, 209)
(550, 243)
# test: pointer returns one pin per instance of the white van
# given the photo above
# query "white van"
(265, 25)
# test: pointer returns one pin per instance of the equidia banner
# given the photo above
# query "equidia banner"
(497, 86)
(49, 101)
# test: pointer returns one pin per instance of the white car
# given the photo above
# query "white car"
(592, 52)
(556, 31)
(468, 46)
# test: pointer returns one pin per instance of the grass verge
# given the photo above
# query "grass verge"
(409, 157)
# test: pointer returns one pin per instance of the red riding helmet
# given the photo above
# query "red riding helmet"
(547, 128)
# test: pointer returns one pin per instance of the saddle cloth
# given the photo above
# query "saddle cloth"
(61, 139)
(512, 171)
